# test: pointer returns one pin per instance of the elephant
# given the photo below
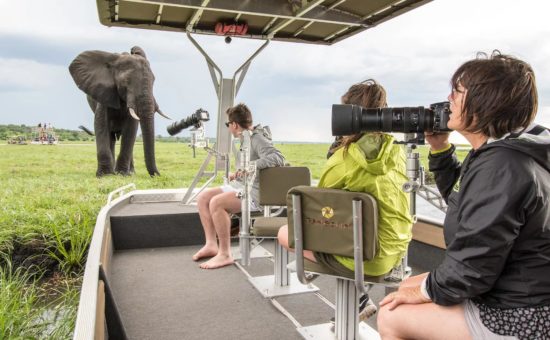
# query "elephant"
(119, 89)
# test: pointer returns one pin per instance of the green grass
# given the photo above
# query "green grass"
(49, 201)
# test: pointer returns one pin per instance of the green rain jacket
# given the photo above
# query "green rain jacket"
(374, 164)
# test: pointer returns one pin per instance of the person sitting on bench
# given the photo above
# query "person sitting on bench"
(371, 163)
(216, 204)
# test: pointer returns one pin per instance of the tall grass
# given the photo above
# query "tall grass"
(19, 295)
(70, 243)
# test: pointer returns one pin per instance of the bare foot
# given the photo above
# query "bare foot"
(206, 251)
(218, 261)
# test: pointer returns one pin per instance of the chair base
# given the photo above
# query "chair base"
(267, 287)
(256, 252)
(324, 332)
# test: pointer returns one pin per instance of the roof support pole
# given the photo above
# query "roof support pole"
(226, 90)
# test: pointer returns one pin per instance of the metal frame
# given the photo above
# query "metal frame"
(282, 282)
(307, 21)
(347, 326)
(226, 90)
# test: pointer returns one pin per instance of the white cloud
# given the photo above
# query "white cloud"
(27, 75)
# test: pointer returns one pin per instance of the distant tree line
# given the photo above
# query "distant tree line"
(12, 130)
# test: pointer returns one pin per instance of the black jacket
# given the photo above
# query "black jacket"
(497, 228)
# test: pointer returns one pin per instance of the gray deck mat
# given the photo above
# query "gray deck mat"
(163, 294)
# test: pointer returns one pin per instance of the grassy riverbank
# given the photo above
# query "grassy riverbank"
(48, 205)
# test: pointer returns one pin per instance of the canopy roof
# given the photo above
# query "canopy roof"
(307, 21)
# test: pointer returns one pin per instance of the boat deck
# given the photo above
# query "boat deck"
(161, 293)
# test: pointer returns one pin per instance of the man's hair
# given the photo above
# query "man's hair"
(367, 94)
(501, 94)
(240, 114)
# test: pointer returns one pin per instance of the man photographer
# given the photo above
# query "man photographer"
(216, 204)
(494, 281)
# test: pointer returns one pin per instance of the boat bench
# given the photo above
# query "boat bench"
(344, 223)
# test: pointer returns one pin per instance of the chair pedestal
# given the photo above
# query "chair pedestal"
(256, 252)
(347, 326)
(282, 282)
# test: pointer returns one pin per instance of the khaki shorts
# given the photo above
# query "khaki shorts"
(476, 326)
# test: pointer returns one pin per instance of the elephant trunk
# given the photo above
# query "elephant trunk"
(145, 105)
(148, 134)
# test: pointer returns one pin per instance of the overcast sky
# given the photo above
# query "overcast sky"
(289, 86)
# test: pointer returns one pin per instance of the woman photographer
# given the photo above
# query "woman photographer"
(494, 281)
(372, 163)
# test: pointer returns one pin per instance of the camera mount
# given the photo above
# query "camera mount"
(416, 175)
(248, 170)
(198, 138)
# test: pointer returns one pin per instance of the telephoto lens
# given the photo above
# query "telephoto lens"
(194, 119)
(352, 119)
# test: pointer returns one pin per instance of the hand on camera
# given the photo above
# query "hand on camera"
(437, 140)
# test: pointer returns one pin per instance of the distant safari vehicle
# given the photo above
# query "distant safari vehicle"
(18, 140)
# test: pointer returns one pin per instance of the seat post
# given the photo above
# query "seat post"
(282, 274)
(347, 305)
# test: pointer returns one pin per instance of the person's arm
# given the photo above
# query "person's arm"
(268, 155)
(446, 169)
(493, 198)
(443, 162)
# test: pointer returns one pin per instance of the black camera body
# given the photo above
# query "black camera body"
(351, 119)
(194, 119)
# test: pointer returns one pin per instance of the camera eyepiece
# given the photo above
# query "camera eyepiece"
(194, 119)
(351, 119)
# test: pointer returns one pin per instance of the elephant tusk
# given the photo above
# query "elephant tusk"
(162, 114)
(133, 113)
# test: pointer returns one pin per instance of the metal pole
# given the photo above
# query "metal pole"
(226, 90)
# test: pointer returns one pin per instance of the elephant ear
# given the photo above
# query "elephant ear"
(92, 72)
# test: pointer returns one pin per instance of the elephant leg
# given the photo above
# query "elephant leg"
(104, 142)
(132, 170)
(124, 163)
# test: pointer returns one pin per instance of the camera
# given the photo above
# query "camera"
(351, 119)
(194, 119)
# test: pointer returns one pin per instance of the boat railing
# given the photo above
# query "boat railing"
(120, 192)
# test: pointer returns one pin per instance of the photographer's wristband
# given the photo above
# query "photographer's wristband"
(436, 152)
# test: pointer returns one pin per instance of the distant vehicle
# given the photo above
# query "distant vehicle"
(44, 135)
(17, 140)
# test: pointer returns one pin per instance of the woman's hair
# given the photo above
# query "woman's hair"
(501, 94)
(240, 114)
(367, 94)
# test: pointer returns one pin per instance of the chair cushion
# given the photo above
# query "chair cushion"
(317, 268)
(268, 226)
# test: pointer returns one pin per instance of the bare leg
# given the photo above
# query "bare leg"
(220, 207)
(423, 321)
(282, 237)
(210, 247)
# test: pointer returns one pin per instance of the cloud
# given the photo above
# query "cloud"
(22, 75)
